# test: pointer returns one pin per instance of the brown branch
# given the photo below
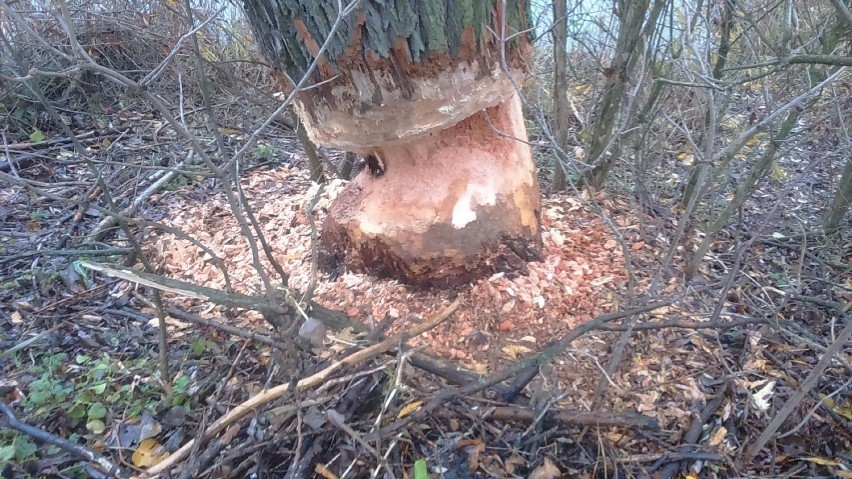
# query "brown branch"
(697, 426)
(581, 418)
(821, 60)
(452, 373)
(688, 324)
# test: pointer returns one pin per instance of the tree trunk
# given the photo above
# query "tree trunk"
(842, 200)
(421, 92)
(314, 164)
(560, 91)
(697, 179)
(626, 52)
(744, 192)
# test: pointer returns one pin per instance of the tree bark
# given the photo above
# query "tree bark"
(314, 164)
(560, 90)
(842, 200)
(425, 92)
(629, 42)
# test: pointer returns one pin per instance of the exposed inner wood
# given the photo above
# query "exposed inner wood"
(451, 205)
(375, 108)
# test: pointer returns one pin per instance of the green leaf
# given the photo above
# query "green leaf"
(24, 448)
(420, 471)
(37, 136)
(81, 358)
(77, 411)
(180, 384)
(98, 388)
(39, 396)
(97, 411)
(199, 346)
(7, 453)
(96, 426)
(79, 269)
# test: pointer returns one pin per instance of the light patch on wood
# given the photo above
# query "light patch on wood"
(475, 195)
(312, 45)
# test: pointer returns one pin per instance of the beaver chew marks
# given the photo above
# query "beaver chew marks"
(450, 191)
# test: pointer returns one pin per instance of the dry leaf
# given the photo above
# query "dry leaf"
(230, 433)
(844, 409)
(149, 453)
(763, 397)
(548, 470)
(16, 317)
(515, 350)
(408, 409)
(718, 436)
(513, 462)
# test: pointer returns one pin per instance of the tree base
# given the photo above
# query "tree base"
(444, 209)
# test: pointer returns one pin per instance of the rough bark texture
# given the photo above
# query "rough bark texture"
(419, 89)
(627, 50)
(842, 200)
(441, 57)
(560, 89)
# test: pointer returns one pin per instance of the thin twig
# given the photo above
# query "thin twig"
(272, 394)
(794, 400)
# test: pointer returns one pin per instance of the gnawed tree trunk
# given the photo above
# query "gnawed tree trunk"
(418, 90)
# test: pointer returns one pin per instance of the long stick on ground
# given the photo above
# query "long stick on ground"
(270, 395)
(109, 221)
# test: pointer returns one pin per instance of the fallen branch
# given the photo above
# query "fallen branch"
(103, 463)
(529, 367)
(581, 418)
(66, 252)
(38, 144)
(694, 432)
(527, 370)
(329, 317)
(270, 395)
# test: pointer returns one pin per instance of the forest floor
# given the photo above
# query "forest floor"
(695, 385)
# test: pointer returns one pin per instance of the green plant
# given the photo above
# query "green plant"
(87, 388)
(263, 152)
(16, 446)
(200, 345)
